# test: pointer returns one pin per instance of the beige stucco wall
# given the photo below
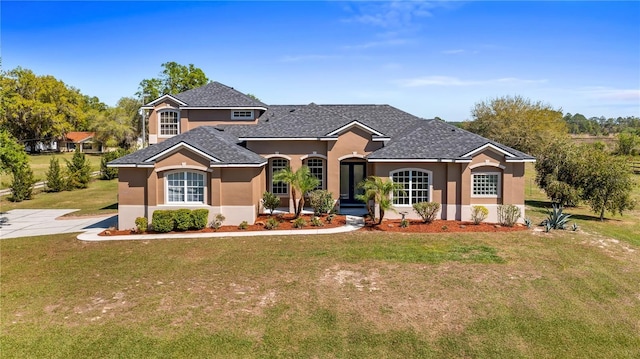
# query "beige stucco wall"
(190, 119)
(440, 184)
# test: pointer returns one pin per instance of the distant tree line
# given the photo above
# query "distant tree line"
(597, 126)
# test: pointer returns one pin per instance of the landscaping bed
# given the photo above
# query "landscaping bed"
(439, 226)
(286, 222)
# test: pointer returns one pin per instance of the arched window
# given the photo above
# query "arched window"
(185, 187)
(316, 167)
(278, 164)
(415, 185)
(169, 123)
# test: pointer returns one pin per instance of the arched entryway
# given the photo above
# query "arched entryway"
(352, 172)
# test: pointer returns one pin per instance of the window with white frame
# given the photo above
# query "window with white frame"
(316, 168)
(185, 187)
(169, 123)
(242, 115)
(279, 164)
(485, 184)
(414, 186)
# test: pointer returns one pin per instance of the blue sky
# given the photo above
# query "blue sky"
(427, 58)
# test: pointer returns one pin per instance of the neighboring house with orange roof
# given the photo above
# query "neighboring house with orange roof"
(86, 141)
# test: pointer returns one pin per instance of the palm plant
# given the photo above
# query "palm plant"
(286, 175)
(306, 182)
(378, 191)
(300, 181)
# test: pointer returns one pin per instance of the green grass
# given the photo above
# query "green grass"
(620, 227)
(40, 165)
(358, 295)
(519, 294)
(101, 197)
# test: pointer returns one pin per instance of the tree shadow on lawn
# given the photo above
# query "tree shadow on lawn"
(111, 206)
(543, 207)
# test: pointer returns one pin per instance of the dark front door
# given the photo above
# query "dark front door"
(351, 173)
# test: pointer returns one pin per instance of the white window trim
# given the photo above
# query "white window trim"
(498, 195)
(288, 191)
(166, 188)
(234, 117)
(430, 183)
(324, 169)
(159, 112)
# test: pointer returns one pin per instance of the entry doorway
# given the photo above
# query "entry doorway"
(351, 173)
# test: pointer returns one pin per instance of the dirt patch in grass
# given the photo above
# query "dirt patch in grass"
(439, 226)
(285, 222)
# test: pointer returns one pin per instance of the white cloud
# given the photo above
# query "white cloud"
(373, 44)
(388, 14)
(454, 81)
(612, 94)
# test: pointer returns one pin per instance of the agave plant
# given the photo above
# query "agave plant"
(556, 219)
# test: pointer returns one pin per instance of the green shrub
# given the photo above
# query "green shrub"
(142, 224)
(330, 218)
(271, 223)
(404, 223)
(78, 171)
(317, 222)
(427, 210)
(299, 223)
(270, 201)
(508, 214)
(217, 221)
(321, 201)
(199, 218)
(243, 225)
(108, 173)
(183, 219)
(22, 183)
(479, 214)
(162, 221)
(55, 181)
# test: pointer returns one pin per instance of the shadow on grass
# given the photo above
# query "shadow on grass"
(111, 206)
(544, 206)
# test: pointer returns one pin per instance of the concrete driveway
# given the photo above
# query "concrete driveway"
(40, 222)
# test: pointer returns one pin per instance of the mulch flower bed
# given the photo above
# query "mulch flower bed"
(439, 226)
(286, 223)
(390, 225)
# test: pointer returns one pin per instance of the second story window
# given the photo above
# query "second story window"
(169, 123)
(242, 115)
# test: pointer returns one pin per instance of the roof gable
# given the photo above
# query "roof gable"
(215, 94)
(77, 137)
(352, 124)
(177, 147)
(435, 140)
(220, 147)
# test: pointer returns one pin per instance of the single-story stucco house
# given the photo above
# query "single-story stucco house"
(217, 148)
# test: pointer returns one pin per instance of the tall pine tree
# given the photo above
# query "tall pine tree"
(79, 171)
(55, 181)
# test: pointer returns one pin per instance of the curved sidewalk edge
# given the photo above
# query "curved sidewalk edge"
(353, 223)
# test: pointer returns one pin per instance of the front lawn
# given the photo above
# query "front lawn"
(357, 295)
(101, 197)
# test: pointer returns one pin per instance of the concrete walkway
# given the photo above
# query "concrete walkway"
(41, 222)
(353, 223)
